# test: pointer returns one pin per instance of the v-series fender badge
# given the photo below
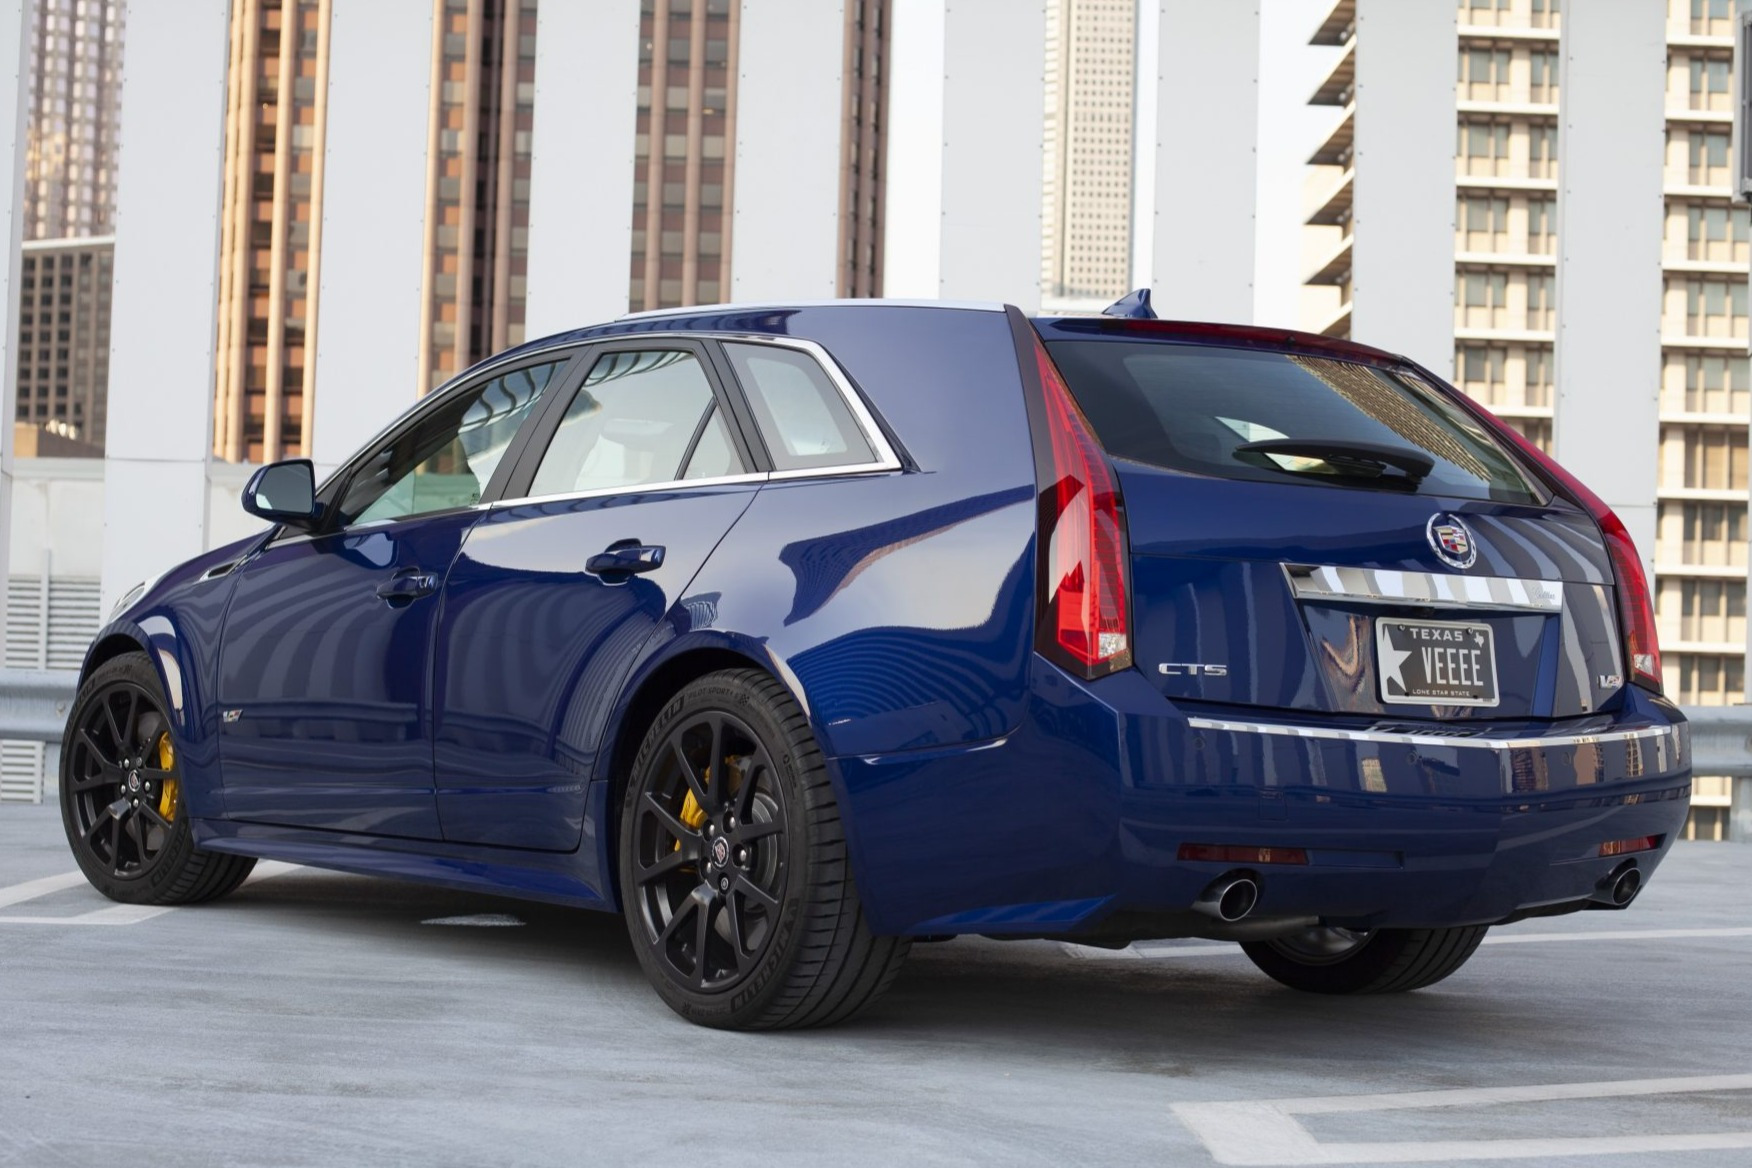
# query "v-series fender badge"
(1192, 669)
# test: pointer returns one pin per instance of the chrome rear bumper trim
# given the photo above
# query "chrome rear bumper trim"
(1400, 738)
(1381, 586)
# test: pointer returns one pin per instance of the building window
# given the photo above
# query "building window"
(1715, 384)
(1542, 150)
(1708, 158)
(1710, 535)
(1715, 458)
(1707, 679)
(1715, 306)
(1711, 17)
(1546, 13)
(1542, 226)
(1711, 612)
(1484, 73)
(1715, 233)
(1541, 303)
(1484, 148)
(1484, 223)
(1483, 299)
(1484, 11)
(1709, 83)
(1542, 86)
(1538, 378)
(1483, 371)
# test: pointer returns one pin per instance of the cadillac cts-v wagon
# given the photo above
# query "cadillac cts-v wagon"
(798, 634)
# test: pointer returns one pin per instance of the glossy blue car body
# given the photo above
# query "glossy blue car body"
(476, 737)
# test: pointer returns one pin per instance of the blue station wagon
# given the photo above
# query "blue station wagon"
(800, 633)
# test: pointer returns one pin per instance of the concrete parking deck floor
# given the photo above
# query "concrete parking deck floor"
(313, 1019)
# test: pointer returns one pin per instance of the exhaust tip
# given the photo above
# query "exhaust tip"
(1229, 898)
(1620, 887)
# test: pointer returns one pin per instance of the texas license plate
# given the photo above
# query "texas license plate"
(1436, 663)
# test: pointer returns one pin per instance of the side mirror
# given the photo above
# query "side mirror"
(283, 492)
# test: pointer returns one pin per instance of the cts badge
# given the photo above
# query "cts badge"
(1192, 669)
(1451, 540)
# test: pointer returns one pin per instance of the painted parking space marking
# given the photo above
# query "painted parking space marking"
(478, 921)
(113, 914)
(1157, 952)
(1267, 1134)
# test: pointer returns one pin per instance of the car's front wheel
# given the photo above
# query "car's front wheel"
(122, 795)
(735, 881)
(1325, 960)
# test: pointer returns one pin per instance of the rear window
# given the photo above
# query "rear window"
(1196, 408)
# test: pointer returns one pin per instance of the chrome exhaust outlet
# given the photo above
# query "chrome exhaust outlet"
(1620, 887)
(1228, 898)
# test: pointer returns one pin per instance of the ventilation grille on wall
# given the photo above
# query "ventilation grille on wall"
(50, 622)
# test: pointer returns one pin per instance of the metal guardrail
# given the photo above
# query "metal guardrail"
(34, 705)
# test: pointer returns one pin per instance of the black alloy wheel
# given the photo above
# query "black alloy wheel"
(709, 850)
(122, 795)
(734, 876)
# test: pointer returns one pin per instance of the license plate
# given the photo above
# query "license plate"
(1435, 663)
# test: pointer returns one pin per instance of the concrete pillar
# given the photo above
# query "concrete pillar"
(374, 212)
(1402, 264)
(164, 308)
(581, 163)
(15, 22)
(1206, 165)
(1610, 223)
(790, 124)
(966, 139)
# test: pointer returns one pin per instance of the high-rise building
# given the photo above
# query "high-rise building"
(1505, 305)
(73, 118)
(1087, 190)
(63, 339)
(683, 192)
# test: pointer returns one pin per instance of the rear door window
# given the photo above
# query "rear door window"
(1196, 408)
(799, 410)
(636, 420)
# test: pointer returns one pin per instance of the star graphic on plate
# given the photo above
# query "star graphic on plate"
(1392, 663)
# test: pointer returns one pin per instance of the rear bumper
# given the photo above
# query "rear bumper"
(1073, 824)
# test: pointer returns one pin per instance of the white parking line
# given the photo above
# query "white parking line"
(1266, 1132)
(1133, 953)
(115, 914)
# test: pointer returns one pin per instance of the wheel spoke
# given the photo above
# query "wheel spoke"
(101, 755)
(671, 823)
(105, 777)
(702, 930)
(663, 867)
(133, 723)
(690, 905)
(115, 842)
(117, 738)
(694, 782)
(758, 894)
(137, 834)
(151, 812)
(715, 773)
(738, 944)
(745, 795)
(747, 833)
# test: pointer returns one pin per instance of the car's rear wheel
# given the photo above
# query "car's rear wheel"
(1325, 960)
(122, 795)
(734, 876)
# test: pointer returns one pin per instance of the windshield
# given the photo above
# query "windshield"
(1196, 408)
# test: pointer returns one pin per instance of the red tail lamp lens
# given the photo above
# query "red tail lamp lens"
(1238, 854)
(1623, 847)
(1085, 616)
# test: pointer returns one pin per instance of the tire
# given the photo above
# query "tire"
(121, 795)
(1383, 961)
(734, 876)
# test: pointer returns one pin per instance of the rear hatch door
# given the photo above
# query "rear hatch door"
(1317, 532)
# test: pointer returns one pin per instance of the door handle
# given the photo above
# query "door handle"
(625, 560)
(407, 586)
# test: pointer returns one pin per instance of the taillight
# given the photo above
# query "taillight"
(1084, 622)
(1636, 609)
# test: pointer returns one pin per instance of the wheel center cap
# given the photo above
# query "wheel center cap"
(720, 851)
(133, 780)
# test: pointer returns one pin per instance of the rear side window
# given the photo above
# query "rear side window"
(799, 410)
(1196, 408)
(634, 421)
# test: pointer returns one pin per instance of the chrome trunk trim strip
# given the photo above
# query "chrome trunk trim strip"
(1435, 589)
(1412, 738)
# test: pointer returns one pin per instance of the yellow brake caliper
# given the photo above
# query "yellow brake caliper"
(169, 791)
(692, 813)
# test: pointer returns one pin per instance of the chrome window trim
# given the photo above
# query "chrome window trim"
(871, 302)
(1397, 738)
(759, 476)
(1446, 590)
